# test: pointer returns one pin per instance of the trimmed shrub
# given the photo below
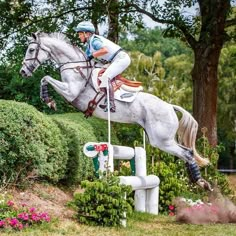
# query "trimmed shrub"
(31, 144)
(93, 125)
(78, 167)
(34, 145)
(78, 131)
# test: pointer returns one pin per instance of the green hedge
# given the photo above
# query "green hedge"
(78, 131)
(31, 144)
(78, 167)
(35, 145)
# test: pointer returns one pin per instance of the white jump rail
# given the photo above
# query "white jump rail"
(146, 187)
(146, 198)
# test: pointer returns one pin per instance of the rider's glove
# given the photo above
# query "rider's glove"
(90, 57)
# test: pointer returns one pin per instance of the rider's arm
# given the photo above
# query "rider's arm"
(99, 47)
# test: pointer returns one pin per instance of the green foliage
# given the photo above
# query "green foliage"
(227, 106)
(77, 131)
(210, 172)
(78, 167)
(14, 87)
(31, 145)
(149, 41)
(173, 176)
(98, 127)
(104, 202)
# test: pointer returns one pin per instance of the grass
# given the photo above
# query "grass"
(139, 224)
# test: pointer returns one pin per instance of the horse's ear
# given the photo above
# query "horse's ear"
(35, 36)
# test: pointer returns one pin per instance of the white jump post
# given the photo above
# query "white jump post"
(146, 192)
(146, 187)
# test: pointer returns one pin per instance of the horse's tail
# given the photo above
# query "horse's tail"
(187, 133)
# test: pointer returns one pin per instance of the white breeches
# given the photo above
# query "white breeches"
(117, 66)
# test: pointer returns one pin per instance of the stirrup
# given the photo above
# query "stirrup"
(104, 107)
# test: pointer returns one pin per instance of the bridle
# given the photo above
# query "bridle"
(36, 62)
(64, 66)
(35, 59)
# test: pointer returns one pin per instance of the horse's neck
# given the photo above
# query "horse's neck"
(62, 52)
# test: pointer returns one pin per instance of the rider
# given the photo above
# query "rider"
(105, 51)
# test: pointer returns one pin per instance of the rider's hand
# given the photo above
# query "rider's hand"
(90, 57)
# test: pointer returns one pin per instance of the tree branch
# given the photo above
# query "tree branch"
(182, 27)
(45, 18)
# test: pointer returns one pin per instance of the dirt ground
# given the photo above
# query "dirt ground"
(218, 209)
(45, 198)
(53, 200)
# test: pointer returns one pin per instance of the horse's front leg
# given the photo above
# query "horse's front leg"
(59, 86)
(45, 96)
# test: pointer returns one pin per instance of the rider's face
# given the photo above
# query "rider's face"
(83, 36)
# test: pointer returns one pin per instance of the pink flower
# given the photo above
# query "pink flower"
(10, 203)
(32, 209)
(13, 222)
(171, 207)
(44, 216)
(23, 216)
(35, 217)
(20, 226)
(2, 223)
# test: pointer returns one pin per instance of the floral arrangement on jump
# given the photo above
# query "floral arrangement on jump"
(19, 217)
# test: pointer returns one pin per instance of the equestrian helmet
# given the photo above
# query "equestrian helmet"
(85, 26)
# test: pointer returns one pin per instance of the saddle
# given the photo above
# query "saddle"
(125, 89)
(119, 81)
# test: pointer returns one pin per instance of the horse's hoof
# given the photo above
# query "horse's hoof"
(204, 184)
(52, 105)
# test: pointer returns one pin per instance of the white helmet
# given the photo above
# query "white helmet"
(85, 26)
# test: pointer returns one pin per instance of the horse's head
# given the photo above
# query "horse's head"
(35, 55)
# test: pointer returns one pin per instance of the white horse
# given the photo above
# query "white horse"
(157, 117)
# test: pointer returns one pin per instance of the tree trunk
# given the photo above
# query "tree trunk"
(204, 74)
(205, 82)
(113, 20)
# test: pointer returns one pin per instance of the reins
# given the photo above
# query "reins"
(92, 103)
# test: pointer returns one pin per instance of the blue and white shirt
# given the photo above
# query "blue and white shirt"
(97, 42)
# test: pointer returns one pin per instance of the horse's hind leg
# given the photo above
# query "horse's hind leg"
(171, 147)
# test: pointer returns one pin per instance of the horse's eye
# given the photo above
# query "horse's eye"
(31, 50)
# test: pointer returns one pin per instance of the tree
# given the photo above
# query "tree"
(206, 35)
(227, 105)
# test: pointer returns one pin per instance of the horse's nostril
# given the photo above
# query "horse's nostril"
(22, 72)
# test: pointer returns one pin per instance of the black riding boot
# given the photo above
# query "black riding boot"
(111, 98)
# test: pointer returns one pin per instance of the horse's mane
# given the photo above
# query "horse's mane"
(62, 37)
(56, 35)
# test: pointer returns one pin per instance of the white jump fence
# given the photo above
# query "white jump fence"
(146, 188)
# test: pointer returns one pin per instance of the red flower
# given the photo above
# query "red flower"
(171, 213)
(171, 207)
